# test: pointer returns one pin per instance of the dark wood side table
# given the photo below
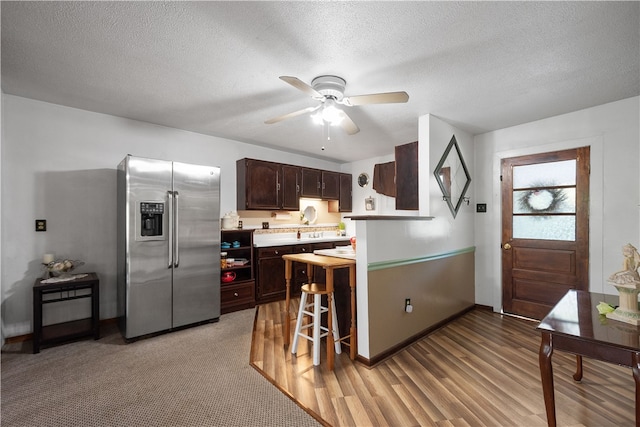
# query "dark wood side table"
(575, 326)
(49, 293)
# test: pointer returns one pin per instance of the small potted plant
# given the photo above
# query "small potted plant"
(342, 229)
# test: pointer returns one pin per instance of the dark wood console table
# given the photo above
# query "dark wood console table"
(575, 326)
(48, 293)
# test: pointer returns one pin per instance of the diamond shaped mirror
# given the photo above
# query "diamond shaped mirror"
(452, 176)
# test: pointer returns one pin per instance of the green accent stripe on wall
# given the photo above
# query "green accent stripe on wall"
(373, 266)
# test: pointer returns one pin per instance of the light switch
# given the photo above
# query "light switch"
(41, 225)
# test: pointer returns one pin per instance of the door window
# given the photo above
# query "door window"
(544, 201)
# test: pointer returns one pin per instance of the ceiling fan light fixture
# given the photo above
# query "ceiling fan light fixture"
(331, 113)
(329, 86)
(317, 118)
(329, 90)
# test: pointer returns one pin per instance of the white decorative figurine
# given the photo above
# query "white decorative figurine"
(627, 282)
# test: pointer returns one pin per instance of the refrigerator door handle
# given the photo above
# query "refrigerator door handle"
(170, 227)
(176, 238)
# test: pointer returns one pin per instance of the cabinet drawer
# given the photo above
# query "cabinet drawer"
(274, 251)
(242, 292)
(301, 249)
(323, 245)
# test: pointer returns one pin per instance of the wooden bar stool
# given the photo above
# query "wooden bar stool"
(314, 310)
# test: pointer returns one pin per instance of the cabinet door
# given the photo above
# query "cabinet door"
(290, 187)
(311, 183)
(258, 185)
(407, 176)
(271, 281)
(330, 185)
(345, 193)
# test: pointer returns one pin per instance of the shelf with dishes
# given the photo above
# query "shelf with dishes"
(236, 274)
(237, 261)
(237, 280)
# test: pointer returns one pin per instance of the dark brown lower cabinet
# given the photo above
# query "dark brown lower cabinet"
(271, 285)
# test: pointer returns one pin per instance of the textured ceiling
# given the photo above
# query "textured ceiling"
(213, 67)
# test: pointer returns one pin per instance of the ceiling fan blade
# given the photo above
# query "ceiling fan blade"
(294, 114)
(299, 84)
(376, 98)
(348, 125)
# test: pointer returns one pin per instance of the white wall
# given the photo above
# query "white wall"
(441, 234)
(612, 132)
(385, 205)
(394, 240)
(1, 149)
(59, 163)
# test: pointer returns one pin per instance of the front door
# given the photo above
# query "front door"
(545, 229)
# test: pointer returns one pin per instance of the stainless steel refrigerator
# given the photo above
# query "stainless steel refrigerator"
(168, 245)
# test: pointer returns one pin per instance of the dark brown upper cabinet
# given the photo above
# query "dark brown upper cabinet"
(344, 203)
(258, 184)
(346, 181)
(330, 185)
(311, 183)
(407, 176)
(290, 187)
(263, 185)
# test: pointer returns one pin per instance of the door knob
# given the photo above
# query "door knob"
(506, 246)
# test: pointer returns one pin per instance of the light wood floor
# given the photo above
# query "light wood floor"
(480, 370)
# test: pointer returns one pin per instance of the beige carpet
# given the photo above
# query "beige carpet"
(194, 377)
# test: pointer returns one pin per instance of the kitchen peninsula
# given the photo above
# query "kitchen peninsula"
(330, 265)
(269, 249)
(404, 261)
(270, 245)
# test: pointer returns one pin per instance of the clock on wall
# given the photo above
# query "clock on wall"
(363, 179)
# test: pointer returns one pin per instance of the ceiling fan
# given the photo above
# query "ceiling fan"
(329, 90)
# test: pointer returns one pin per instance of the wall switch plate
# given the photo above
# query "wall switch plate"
(41, 225)
(481, 207)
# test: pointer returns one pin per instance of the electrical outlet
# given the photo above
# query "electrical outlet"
(407, 305)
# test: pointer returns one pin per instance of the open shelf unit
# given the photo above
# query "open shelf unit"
(239, 293)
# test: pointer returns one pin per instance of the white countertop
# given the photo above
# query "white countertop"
(339, 252)
(279, 239)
